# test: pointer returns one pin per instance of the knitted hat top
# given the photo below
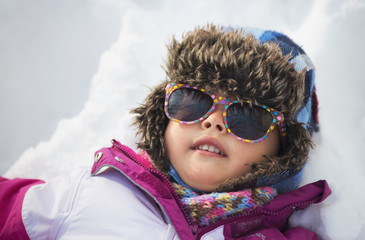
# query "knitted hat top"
(308, 113)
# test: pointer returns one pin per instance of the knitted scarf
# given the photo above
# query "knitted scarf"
(208, 208)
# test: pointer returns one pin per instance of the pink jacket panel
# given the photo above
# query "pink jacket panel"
(11, 200)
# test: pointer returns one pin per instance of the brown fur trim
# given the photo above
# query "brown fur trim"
(239, 66)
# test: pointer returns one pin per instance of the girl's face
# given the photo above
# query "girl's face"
(205, 155)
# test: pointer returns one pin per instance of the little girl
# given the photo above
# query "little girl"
(224, 140)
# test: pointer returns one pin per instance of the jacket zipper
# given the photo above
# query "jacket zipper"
(165, 181)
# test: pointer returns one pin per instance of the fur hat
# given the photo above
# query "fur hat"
(263, 66)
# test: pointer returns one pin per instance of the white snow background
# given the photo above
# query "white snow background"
(68, 81)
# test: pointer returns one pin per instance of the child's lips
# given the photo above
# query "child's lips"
(210, 146)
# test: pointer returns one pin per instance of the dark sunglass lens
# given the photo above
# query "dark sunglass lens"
(186, 104)
(248, 123)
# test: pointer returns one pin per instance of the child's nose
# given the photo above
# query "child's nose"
(215, 120)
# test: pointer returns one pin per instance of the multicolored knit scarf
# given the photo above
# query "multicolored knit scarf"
(208, 208)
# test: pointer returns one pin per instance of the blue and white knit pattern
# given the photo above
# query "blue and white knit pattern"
(301, 61)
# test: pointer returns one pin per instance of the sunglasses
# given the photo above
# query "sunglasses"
(246, 120)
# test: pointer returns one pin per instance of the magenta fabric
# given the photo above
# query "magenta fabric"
(12, 193)
(271, 220)
(273, 233)
(300, 233)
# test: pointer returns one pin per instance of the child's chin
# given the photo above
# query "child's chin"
(207, 187)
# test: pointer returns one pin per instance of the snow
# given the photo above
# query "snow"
(97, 106)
